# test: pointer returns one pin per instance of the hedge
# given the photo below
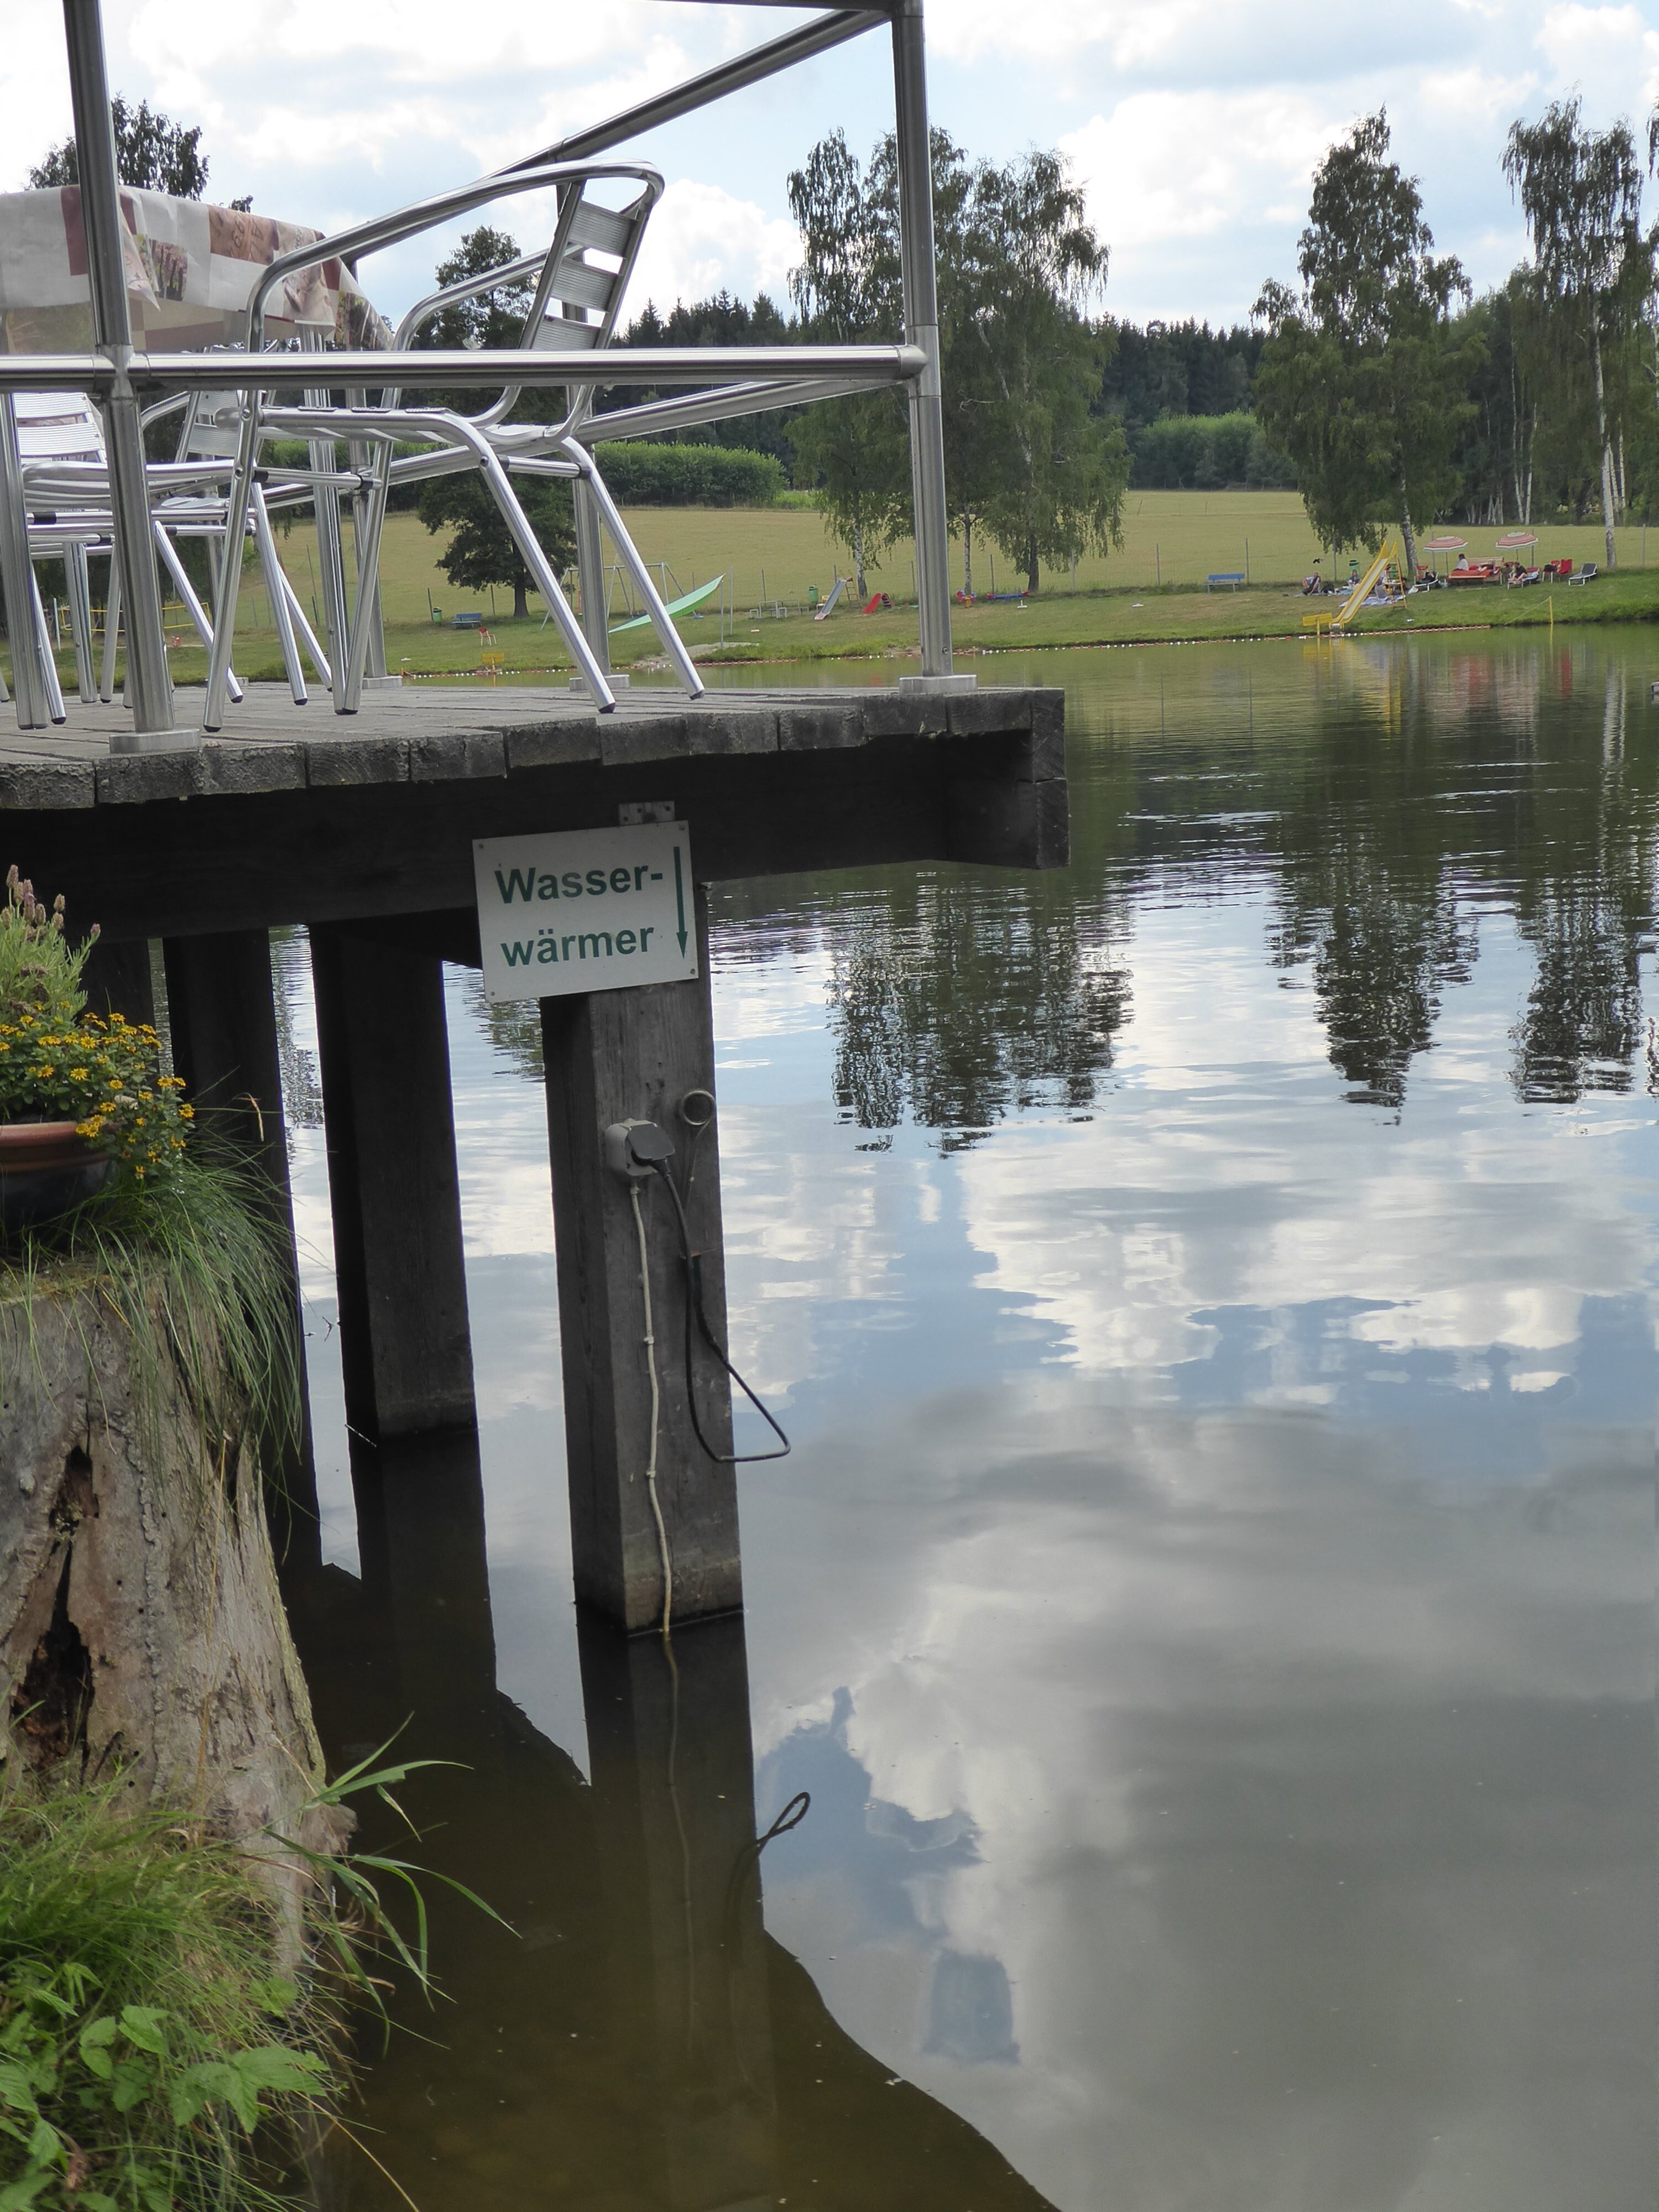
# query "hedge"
(1207, 453)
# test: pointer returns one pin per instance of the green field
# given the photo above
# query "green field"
(774, 554)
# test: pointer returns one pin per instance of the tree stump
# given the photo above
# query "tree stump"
(142, 1631)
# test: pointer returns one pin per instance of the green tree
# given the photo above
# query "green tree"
(1581, 192)
(1363, 380)
(1025, 456)
(152, 153)
(1024, 345)
(481, 551)
(846, 291)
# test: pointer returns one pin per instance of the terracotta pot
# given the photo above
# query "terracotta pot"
(44, 1170)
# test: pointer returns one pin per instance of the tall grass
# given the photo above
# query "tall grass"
(150, 2061)
(194, 1265)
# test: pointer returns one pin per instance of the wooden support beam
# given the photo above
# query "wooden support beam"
(390, 1129)
(222, 1015)
(613, 1057)
(117, 979)
(376, 839)
(668, 1750)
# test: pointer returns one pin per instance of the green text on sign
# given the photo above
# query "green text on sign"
(585, 910)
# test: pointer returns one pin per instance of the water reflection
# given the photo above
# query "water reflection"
(1211, 1601)
(635, 2038)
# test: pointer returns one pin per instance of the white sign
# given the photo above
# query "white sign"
(585, 910)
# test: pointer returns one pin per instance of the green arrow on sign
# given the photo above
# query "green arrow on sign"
(679, 899)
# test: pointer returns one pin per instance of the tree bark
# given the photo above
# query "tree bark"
(520, 604)
(858, 583)
(1408, 535)
(141, 1634)
(1031, 578)
(1607, 458)
(967, 558)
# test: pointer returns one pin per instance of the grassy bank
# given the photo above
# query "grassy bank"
(781, 552)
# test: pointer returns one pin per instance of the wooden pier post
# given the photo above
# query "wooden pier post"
(613, 1057)
(394, 1191)
(117, 977)
(221, 1016)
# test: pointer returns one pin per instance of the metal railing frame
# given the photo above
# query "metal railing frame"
(122, 379)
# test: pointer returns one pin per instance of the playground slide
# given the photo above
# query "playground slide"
(685, 605)
(1362, 590)
(828, 605)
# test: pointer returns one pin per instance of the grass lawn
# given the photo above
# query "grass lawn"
(1180, 536)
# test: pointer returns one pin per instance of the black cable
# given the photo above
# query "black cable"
(694, 1305)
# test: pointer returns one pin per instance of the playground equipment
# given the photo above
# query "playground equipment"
(829, 606)
(688, 603)
(1363, 590)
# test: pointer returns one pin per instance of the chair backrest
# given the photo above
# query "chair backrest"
(57, 426)
(578, 288)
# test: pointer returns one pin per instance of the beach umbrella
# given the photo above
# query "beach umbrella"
(1513, 540)
(1444, 545)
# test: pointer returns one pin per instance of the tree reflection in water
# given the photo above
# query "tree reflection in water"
(956, 1002)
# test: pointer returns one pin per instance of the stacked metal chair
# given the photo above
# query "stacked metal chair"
(574, 305)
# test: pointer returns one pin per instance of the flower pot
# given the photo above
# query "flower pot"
(46, 1168)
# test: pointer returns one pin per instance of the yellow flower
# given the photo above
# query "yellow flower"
(45, 1074)
(77, 1075)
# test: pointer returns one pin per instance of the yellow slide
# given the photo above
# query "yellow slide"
(1362, 591)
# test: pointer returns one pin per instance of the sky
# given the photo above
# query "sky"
(1194, 126)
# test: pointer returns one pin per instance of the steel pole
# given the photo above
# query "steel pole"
(916, 184)
(17, 578)
(150, 684)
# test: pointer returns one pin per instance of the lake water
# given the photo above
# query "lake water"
(1210, 1602)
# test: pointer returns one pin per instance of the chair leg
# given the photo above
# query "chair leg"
(193, 606)
(590, 571)
(112, 628)
(369, 519)
(547, 583)
(277, 591)
(55, 706)
(662, 621)
(319, 659)
(79, 583)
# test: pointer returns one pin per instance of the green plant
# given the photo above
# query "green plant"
(103, 1075)
(57, 1062)
(40, 969)
(149, 2059)
(196, 1267)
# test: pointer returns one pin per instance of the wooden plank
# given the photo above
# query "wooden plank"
(612, 1056)
(394, 1191)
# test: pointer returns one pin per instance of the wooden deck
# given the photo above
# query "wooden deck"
(295, 814)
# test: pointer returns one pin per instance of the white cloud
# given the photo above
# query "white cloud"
(703, 240)
(1167, 165)
(1614, 52)
(1197, 122)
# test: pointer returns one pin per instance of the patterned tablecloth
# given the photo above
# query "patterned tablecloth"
(190, 268)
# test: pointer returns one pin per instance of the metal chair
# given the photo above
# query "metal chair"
(569, 289)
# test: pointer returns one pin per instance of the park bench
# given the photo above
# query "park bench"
(1233, 578)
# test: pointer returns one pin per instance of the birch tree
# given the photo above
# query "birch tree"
(1363, 380)
(1581, 192)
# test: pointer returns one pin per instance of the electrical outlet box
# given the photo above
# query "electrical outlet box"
(633, 1148)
